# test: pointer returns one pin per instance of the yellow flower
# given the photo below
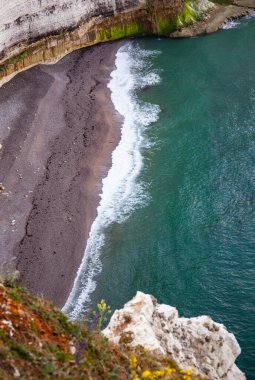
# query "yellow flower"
(187, 374)
(102, 306)
(159, 373)
(133, 362)
(146, 374)
(169, 371)
(135, 376)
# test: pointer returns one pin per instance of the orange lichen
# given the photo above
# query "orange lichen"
(16, 319)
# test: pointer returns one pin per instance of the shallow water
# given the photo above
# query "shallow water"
(183, 227)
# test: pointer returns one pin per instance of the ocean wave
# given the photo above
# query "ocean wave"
(231, 24)
(122, 191)
(235, 23)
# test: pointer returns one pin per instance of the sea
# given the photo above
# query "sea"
(177, 212)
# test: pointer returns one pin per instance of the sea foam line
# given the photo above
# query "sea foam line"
(231, 24)
(122, 192)
(234, 23)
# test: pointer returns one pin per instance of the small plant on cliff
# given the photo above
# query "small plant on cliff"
(100, 315)
(163, 373)
(10, 279)
(3, 68)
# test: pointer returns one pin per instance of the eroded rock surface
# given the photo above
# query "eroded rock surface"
(22, 20)
(198, 342)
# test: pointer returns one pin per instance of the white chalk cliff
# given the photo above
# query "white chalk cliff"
(198, 342)
(42, 31)
(23, 20)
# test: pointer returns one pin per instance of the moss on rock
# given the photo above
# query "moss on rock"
(116, 32)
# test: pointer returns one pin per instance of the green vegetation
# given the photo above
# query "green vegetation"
(116, 32)
(3, 68)
(18, 57)
(165, 26)
(37, 341)
(188, 15)
(13, 60)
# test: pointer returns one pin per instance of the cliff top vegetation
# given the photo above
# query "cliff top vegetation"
(37, 341)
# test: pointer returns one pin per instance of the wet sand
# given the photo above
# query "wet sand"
(58, 129)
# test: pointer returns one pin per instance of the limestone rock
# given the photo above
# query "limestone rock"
(23, 22)
(198, 342)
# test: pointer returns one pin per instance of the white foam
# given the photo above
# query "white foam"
(231, 24)
(122, 191)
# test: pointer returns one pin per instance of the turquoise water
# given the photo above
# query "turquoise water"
(191, 241)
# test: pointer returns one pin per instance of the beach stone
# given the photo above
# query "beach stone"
(198, 342)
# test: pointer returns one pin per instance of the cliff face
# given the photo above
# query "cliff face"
(191, 342)
(26, 21)
(37, 31)
(41, 31)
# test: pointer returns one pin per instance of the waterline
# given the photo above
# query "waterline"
(122, 191)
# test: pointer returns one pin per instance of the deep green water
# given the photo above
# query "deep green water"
(193, 245)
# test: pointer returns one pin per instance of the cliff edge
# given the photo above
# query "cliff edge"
(145, 341)
(191, 342)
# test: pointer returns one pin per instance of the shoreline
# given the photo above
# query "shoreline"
(54, 176)
(46, 156)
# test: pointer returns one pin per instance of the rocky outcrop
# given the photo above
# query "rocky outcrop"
(216, 18)
(198, 342)
(37, 31)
